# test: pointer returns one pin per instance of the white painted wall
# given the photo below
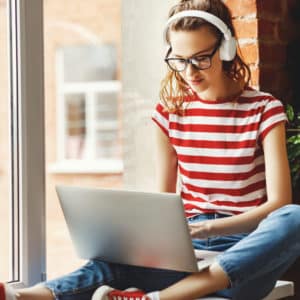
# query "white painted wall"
(142, 70)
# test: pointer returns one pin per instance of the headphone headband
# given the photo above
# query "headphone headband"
(203, 15)
(228, 45)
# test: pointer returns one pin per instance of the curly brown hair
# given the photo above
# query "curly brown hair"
(174, 89)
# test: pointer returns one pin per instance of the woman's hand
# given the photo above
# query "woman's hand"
(200, 230)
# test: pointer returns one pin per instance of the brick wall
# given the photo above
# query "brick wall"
(268, 34)
(276, 32)
(245, 21)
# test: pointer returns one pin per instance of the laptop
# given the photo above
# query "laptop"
(131, 227)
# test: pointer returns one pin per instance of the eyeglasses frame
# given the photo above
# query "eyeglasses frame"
(190, 59)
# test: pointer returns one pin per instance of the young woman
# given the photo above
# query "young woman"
(228, 142)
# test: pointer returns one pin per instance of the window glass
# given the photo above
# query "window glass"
(5, 219)
(83, 104)
(88, 92)
(75, 123)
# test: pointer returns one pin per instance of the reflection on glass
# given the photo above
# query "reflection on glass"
(76, 126)
(83, 132)
(4, 153)
(89, 93)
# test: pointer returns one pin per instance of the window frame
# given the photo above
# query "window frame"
(28, 243)
(90, 165)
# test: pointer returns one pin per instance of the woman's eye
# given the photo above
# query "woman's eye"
(201, 58)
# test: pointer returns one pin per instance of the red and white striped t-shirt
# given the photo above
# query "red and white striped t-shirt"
(219, 150)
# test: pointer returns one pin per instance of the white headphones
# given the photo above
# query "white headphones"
(228, 44)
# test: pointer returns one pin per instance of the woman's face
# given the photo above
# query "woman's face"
(190, 44)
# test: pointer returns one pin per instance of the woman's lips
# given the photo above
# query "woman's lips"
(195, 81)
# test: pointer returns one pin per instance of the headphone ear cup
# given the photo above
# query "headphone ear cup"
(228, 49)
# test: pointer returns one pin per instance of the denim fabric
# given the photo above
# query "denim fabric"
(257, 261)
(82, 283)
(216, 243)
(252, 261)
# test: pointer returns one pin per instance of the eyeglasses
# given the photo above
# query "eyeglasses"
(201, 62)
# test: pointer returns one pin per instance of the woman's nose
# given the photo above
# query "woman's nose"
(190, 70)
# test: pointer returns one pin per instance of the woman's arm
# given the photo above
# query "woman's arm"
(278, 185)
(166, 163)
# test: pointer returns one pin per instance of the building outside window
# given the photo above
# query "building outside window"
(83, 110)
(88, 102)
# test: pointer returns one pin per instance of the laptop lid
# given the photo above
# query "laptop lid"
(128, 227)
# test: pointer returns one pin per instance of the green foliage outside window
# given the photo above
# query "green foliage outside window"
(293, 144)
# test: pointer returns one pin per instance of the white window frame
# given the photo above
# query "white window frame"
(28, 255)
(89, 90)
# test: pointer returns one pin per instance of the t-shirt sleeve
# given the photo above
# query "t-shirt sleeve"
(272, 115)
(161, 117)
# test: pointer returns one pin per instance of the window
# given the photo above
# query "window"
(82, 45)
(5, 219)
(88, 121)
(71, 23)
(26, 110)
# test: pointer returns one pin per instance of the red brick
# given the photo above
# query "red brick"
(286, 31)
(291, 4)
(275, 80)
(274, 54)
(267, 29)
(250, 53)
(246, 28)
(270, 8)
(283, 80)
(241, 8)
(254, 76)
(268, 79)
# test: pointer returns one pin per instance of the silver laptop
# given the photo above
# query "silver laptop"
(130, 227)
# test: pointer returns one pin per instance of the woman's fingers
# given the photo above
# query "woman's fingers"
(195, 230)
(199, 230)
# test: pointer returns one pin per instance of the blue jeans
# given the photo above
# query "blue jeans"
(253, 262)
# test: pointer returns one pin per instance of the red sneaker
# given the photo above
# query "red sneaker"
(107, 293)
(6, 292)
(2, 291)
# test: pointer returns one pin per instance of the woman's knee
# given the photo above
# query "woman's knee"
(289, 218)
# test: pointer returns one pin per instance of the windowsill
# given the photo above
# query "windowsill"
(104, 166)
(17, 285)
